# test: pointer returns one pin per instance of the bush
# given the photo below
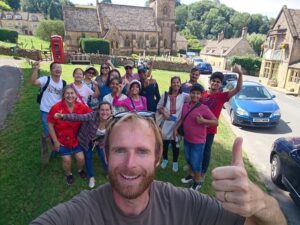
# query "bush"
(95, 45)
(8, 35)
(249, 62)
(46, 28)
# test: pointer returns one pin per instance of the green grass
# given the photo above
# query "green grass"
(28, 42)
(28, 188)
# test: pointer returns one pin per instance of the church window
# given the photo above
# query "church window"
(117, 44)
(165, 43)
(165, 10)
(127, 42)
(141, 42)
(153, 42)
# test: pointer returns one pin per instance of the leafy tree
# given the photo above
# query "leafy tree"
(239, 21)
(55, 10)
(256, 40)
(46, 28)
(14, 4)
(106, 1)
(182, 16)
(4, 6)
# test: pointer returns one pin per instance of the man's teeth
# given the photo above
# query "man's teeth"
(130, 177)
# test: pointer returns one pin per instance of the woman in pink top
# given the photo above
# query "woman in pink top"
(195, 118)
(134, 102)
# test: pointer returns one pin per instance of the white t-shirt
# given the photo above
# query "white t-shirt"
(116, 109)
(52, 94)
(84, 91)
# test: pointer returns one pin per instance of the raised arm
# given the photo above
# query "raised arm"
(239, 195)
(237, 69)
(34, 74)
(79, 117)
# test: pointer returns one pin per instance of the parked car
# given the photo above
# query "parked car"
(285, 166)
(196, 61)
(253, 106)
(204, 68)
(229, 76)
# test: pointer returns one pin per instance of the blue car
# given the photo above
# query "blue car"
(285, 166)
(204, 68)
(253, 106)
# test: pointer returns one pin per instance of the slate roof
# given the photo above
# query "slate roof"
(222, 48)
(293, 19)
(127, 18)
(295, 66)
(79, 19)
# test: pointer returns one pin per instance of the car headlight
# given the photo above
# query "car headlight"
(276, 113)
(242, 112)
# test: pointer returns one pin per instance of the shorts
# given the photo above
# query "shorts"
(63, 150)
(193, 155)
(44, 118)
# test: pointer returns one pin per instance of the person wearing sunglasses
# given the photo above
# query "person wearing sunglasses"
(89, 74)
(133, 148)
(104, 70)
(129, 75)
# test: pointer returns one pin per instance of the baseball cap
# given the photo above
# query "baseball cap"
(129, 63)
(197, 87)
(135, 82)
(91, 68)
(142, 69)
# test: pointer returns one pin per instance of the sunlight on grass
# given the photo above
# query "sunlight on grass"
(28, 42)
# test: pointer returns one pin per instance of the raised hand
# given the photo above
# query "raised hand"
(237, 69)
(36, 65)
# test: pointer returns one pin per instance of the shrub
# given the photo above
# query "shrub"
(8, 35)
(46, 28)
(95, 45)
(249, 62)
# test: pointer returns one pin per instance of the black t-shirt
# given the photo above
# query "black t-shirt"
(168, 205)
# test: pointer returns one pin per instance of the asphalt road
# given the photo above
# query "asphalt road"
(10, 79)
(258, 142)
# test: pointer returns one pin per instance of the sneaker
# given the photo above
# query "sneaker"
(82, 174)
(70, 179)
(164, 164)
(175, 167)
(196, 186)
(92, 182)
(187, 179)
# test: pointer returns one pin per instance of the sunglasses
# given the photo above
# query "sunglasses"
(90, 72)
(128, 68)
(139, 113)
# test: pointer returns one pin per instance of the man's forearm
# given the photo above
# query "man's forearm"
(34, 76)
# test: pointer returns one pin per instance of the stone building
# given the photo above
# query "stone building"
(22, 22)
(130, 29)
(281, 59)
(217, 52)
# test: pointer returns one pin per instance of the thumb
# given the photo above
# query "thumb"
(237, 152)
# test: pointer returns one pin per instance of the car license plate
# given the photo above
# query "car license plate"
(261, 120)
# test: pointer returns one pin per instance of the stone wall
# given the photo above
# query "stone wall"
(31, 54)
(119, 60)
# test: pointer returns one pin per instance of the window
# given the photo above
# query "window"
(153, 42)
(271, 69)
(295, 76)
(141, 42)
(9, 17)
(272, 42)
(34, 18)
(127, 42)
(165, 43)
(165, 10)
(18, 17)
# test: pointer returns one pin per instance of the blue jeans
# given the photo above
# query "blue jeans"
(207, 152)
(69, 151)
(89, 159)
(44, 118)
(193, 155)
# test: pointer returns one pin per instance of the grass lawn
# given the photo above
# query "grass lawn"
(28, 188)
(28, 42)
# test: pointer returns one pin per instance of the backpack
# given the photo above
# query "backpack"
(41, 90)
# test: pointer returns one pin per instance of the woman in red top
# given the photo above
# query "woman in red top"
(64, 133)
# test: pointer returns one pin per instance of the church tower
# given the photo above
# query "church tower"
(164, 11)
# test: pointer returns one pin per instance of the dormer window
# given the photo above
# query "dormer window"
(18, 17)
(9, 17)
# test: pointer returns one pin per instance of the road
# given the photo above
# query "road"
(10, 79)
(258, 142)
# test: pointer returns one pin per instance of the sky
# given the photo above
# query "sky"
(268, 8)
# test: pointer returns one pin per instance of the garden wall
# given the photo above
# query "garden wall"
(13, 51)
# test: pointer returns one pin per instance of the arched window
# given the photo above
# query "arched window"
(165, 43)
(152, 42)
(117, 45)
(165, 10)
(141, 42)
(127, 42)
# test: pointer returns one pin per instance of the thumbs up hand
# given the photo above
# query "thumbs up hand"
(233, 188)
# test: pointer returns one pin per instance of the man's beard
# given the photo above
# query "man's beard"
(130, 191)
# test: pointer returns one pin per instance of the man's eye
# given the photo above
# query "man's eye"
(119, 151)
(142, 151)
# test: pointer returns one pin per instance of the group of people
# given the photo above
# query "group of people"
(131, 142)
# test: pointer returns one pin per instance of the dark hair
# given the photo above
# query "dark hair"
(217, 75)
(170, 88)
(52, 64)
(109, 75)
(197, 87)
(106, 64)
(194, 69)
(74, 71)
(104, 103)
(114, 78)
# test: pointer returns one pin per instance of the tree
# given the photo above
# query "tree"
(14, 4)
(4, 6)
(239, 21)
(182, 16)
(55, 10)
(46, 28)
(256, 40)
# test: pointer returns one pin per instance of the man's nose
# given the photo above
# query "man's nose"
(130, 160)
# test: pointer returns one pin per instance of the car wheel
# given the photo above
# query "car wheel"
(276, 171)
(232, 119)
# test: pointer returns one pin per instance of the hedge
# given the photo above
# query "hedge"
(249, 62)
(8, 35)
(95, 45)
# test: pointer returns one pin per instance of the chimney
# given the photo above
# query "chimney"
(220, 36)
(97, 2)
(244, 32)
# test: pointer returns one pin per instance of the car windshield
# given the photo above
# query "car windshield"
(254, 92)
